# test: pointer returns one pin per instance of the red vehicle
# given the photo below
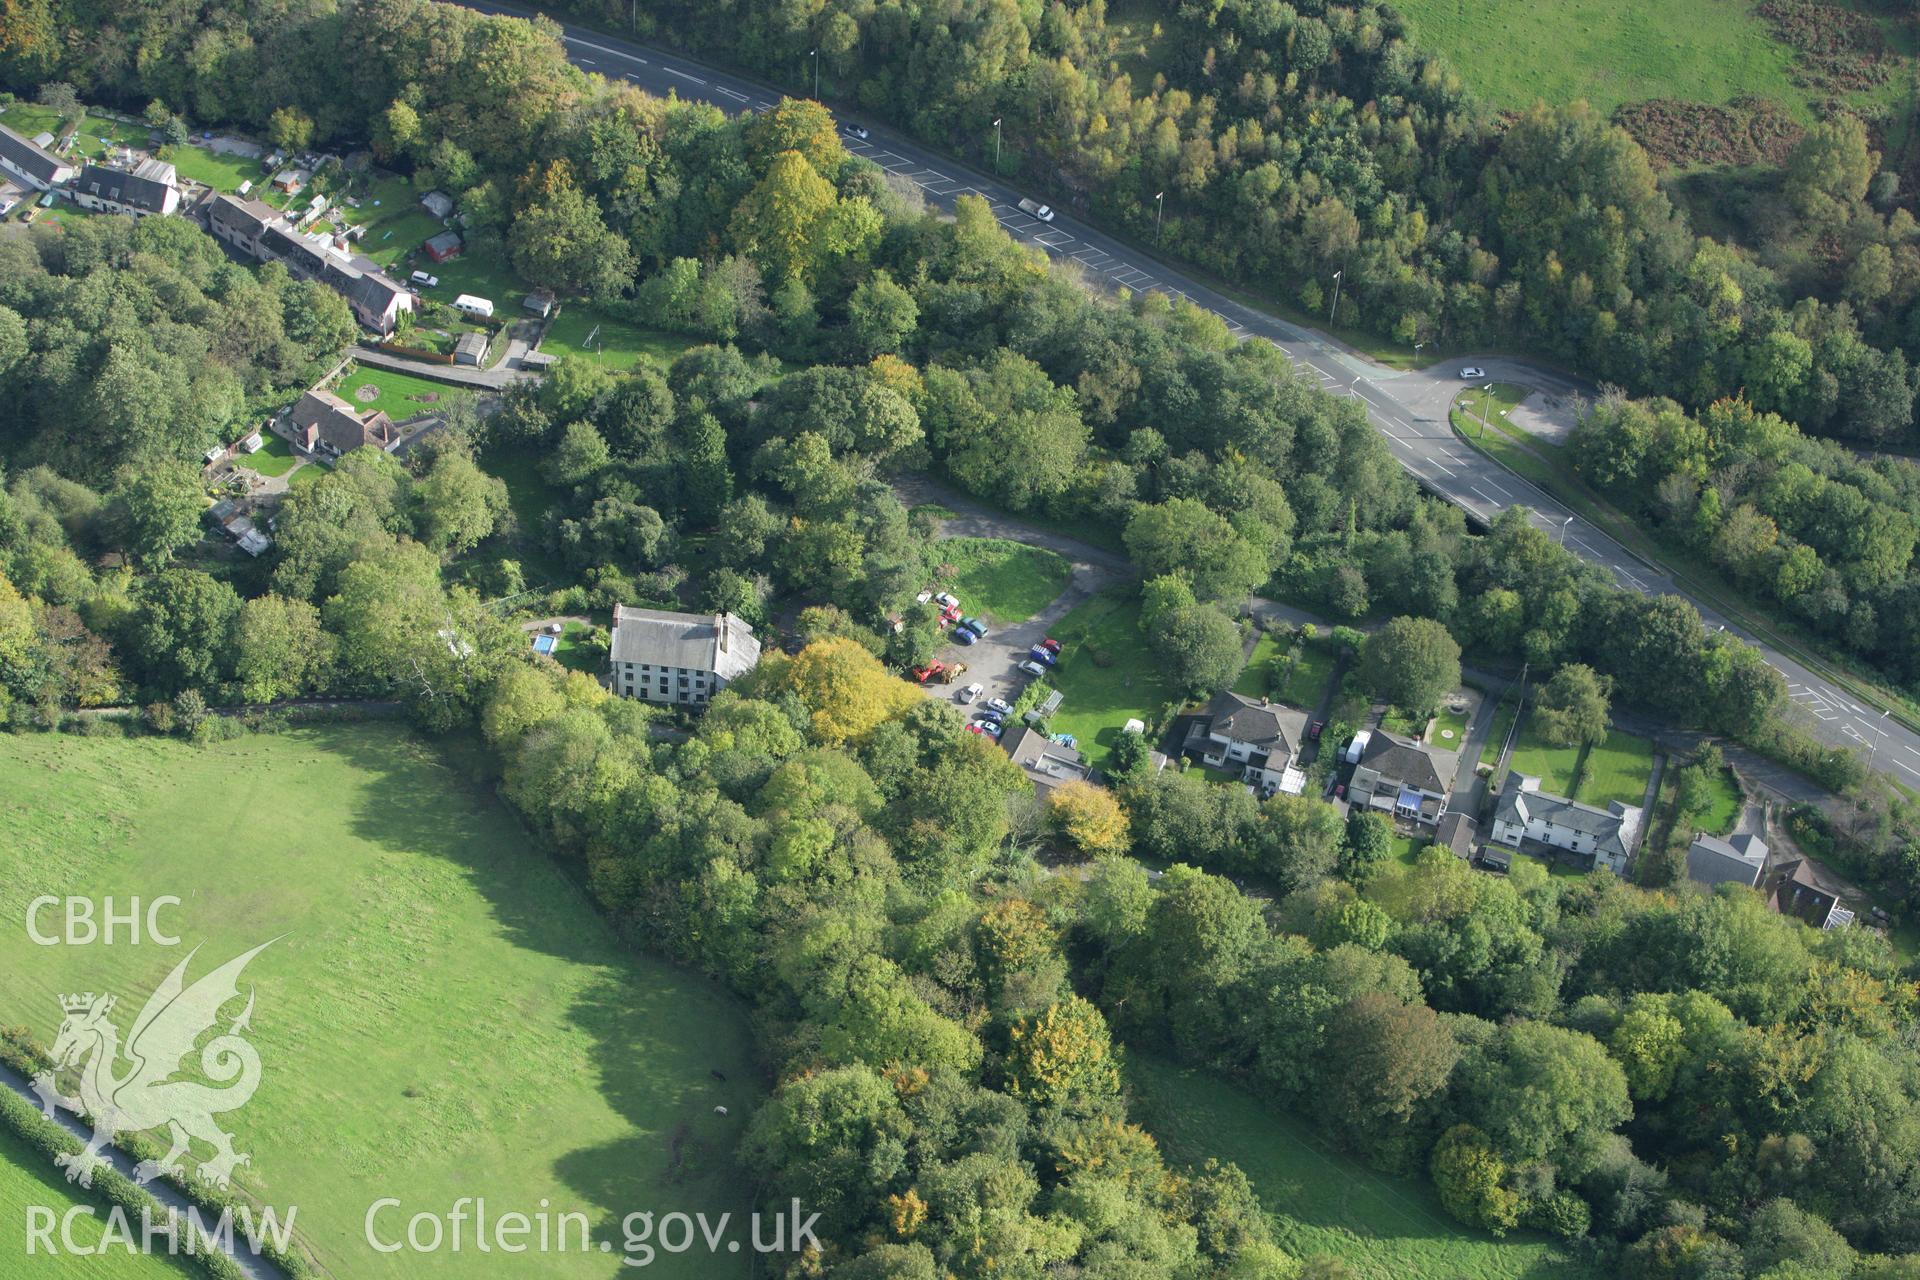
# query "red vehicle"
(931, 672)
(1314, 732)
(1051, 645)
(949, 614)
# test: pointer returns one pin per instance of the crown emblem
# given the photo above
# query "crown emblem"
(82, 1003)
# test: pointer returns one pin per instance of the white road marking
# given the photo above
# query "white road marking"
(683, 75)
(737, 97)
(601, 48)
(1483, 497)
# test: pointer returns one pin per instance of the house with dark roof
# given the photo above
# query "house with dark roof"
(681, 658)
(151, 190)
(33, 165)
(1257, 737)
(1801, 891)
(1400, 779)
(1595, 837)
(1740, 860)
(1046, 763)
(324, 423)
(1456, 833)
(240, 223)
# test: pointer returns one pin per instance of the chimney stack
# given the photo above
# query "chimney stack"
(720, 623)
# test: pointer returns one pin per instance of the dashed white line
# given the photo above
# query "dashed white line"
(673, 71)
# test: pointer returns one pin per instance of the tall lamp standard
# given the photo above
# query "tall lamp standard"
(1486, 393)
(1159, 212)
(996, 146)
(815, 53)
(1335, 308)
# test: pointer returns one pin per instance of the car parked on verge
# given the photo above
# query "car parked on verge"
(946, 598)
(424, 280)
(949, 613)
(976, 626)
(1032, 668)
(963, 636)
(1051, 645)
(1042, 655)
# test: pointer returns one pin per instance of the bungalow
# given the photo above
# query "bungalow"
(444, 247)
(1597, 837)
(1800, 891)
(1046, 763)
(35, 166)
(1256, 736)
(1741, 860)
(151, 189)
(324, 423)
(1400, 779)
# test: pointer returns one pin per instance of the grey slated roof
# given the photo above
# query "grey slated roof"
(1403, 762)
(1612, 828)
(1456, 832)
(125, 188)
(249, 217)
(471, 342)
(1242, 719)
(1711, 860)
(18, 151)
(689, 640)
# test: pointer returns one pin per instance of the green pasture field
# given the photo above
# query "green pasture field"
(28, 1179)
(441, 1012)
(1005, 582)
(1322, 1203)
(617, 345)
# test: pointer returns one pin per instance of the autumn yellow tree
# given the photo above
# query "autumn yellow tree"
(1089, 817)
(791, 223)
(847, 690)
(1063, 1055)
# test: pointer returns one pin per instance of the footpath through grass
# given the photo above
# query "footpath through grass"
(442, 1012)
(1322, 1203)
(1005, 581)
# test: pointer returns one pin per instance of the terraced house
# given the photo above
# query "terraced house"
(261, 232)
(150, 190)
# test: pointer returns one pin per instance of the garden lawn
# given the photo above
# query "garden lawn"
(1256, 678)
(401, 395)
(1556, 767)
(1446, 720)
(1006, 582)
(533, 501)
(1727, 801)
(1617, 769)
(274, 458)
(1320, 1202)
(216, 169)
(1125, 682)
(28, 1178)
(441, 1012)
(480, 275)
(572, 651)
(617, 345)
(1312, 672)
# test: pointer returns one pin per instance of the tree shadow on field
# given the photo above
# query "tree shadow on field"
(658, 1032)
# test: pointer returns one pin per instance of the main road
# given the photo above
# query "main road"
(1409, 408)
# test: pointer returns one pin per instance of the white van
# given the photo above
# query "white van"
(482, 307)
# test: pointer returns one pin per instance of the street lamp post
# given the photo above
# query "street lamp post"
(1563, 530)
(1416, 349)
(1335, 308)
(1486, 392)
(996, 146)
(1159, 212)
(816, 74)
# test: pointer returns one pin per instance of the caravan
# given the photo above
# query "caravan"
(481, 307)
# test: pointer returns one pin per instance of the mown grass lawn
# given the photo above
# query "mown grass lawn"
(219, 170)
(1617, 769)
(1107, 673)
(616, 344)
(1447, 722)
(1005, 581)
(1257, 677)
(1556, 767)
(274, 458)
(1727, 801)
(1312, 671)
(442, 1012)
(482, 276)
(1323, 1203)
(400, 395)
(29, 1180)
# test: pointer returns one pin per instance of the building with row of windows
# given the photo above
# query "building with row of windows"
(677, 658)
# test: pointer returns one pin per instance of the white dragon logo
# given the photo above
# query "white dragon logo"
(143, 1096)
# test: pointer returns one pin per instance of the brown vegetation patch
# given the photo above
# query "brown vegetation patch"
(1677, 134)
(1840, 51)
